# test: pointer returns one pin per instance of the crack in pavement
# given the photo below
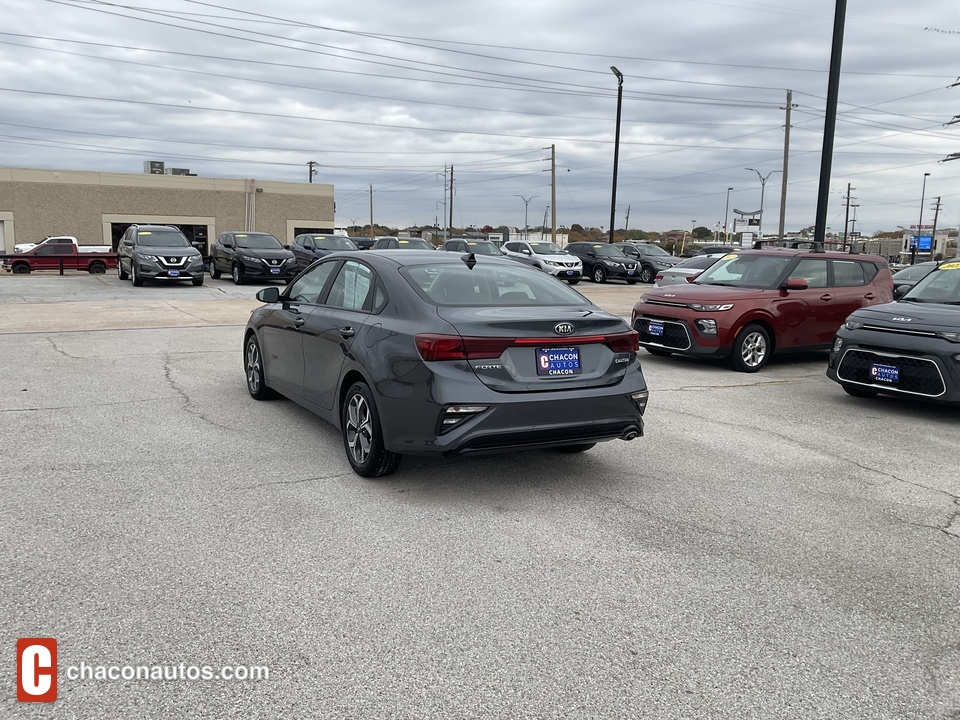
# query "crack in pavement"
(290, 482)
(955, 499)
(61, 351)
(188, 403)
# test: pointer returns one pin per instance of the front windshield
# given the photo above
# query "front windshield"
(749, 271)
(546, 248)
(415, 244)
(334, 242)
(914, 272)
(652, 250)
(483, 248)
(162, 238)
(260, 241)
(941, 286)
(609, 251)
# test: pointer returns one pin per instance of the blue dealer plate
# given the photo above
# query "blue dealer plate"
(275, 271)
(557, 362)
(655, 328)
(885, 373)
(173, 273)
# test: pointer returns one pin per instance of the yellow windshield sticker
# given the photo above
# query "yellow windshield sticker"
(950, 266)
(241, 235)
(728, 257)
(403, 241)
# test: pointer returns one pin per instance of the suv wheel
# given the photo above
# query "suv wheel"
(134, 278)
(646, 274)
(599, 274)
(214, 273)
(120, 272)
(237, 275)
(751, 349)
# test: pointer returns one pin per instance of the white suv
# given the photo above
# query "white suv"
(547, 256)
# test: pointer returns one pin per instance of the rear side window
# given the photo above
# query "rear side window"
(847, 273)
(447, 285)
(813, 271)
(352, 288)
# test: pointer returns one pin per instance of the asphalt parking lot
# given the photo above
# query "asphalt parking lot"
(771, 548)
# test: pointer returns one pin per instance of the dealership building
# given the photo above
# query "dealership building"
(97, 207)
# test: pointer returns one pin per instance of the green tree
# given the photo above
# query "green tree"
(702, 232)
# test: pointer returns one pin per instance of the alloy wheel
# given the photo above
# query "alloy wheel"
(359, 428)
(253, 367)
(754, 349)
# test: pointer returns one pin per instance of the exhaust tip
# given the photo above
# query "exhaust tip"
(630, 434)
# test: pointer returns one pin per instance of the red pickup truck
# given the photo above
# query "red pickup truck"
(59, 257)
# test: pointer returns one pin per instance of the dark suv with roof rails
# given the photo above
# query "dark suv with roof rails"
(754, 303)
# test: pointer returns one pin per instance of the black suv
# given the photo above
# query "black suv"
(602, 261)
(157, 252)
(308, 248)
(251, 256)
(651, 259)
(909, 347)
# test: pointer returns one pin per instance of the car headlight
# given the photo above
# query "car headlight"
(250, 258)
(145, 256)
(611, 263)
(550, 262)
(700, 307)
(853, 325)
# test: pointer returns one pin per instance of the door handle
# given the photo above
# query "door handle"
(869, 296)
(347, 332)
(298, 322)
(826, 296)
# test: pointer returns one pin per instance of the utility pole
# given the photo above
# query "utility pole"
(846, 220)
(450, 225)
(553, 194)
(311, 169)
(933, 235)
(626, 225)
(372, 233)
(786, 158)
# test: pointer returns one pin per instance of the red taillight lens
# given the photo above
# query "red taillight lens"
(624, 342)
(659, 277)
(454, 347)
(440, 347)
(690, 278)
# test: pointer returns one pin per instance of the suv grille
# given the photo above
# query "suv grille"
(918, 376)
(674, 333)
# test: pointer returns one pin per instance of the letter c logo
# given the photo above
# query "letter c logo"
(36, 669)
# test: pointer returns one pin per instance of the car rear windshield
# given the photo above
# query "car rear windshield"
(751, 271)
(162, 238)
(483, 248)
(415, 244)
(494, 285)
(914, 272)
(695, 263)
(258, 241)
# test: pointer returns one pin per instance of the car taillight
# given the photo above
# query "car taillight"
(659, 277)
(455, 347)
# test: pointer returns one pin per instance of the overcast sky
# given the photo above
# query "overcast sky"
(388, 94)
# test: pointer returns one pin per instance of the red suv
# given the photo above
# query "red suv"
(754, 303)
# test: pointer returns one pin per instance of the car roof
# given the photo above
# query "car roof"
(833, 254)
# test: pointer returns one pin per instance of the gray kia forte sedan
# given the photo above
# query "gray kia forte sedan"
(422, 353)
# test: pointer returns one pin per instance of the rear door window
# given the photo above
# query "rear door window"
(848, 273)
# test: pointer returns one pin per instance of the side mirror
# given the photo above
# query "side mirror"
(269, 295)
(228, 244)
(286, 247)
(899, 291)
(796, 284)
(128, 243)
(308, 247)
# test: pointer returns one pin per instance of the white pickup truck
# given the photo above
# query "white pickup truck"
(62, 240)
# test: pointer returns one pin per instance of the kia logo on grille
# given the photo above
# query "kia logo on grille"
(563, 328)
(902, 319)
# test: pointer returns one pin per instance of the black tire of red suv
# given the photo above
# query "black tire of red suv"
(751, 349)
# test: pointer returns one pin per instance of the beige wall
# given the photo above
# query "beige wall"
(51, 202)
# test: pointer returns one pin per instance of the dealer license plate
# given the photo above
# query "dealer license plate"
(173, 273)
(275, 271)
(557, 362)
(885, 373)
(569, 272)
(629, 272)
(655, 328)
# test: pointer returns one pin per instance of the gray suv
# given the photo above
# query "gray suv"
(158, 252)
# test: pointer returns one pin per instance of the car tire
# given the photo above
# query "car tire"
(856, 392)
(253, 369)
(647, 275)
(120, 272)
(362, 435)
(574, 281)
(135, 279)
(21, 268)
(97, 268)
(571, 449)
(198, 281)
(751, 349)
(598, 274)
(236, 274)
(214, 272)
(658, 352)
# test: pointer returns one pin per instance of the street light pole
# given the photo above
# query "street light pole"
(763, 185)
(916, 245)
(526, 205)
(726, 217)
(616, 152)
